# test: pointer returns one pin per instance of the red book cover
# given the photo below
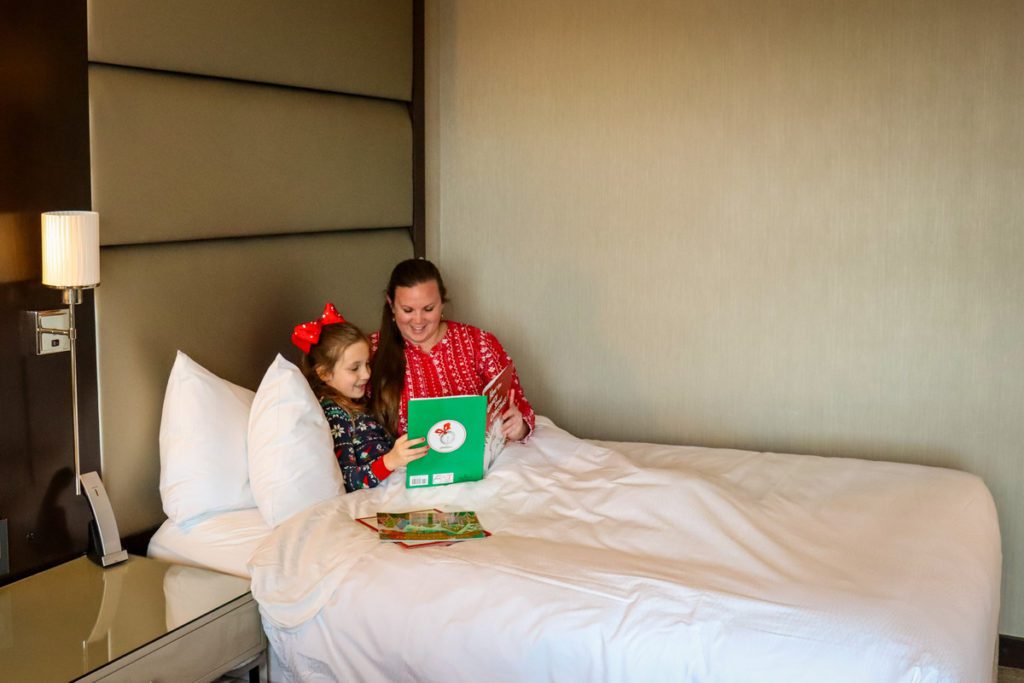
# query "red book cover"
(498, 393)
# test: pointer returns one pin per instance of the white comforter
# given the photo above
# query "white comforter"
(628, 562)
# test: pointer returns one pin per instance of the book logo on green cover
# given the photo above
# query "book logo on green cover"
(446, 436)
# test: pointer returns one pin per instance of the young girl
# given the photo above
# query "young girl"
(335, 362)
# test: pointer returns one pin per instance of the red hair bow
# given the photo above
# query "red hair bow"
(308, 334)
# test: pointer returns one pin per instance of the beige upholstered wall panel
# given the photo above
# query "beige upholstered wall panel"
(787, 226)
(230, 305)
(354, 46)
(178, 157)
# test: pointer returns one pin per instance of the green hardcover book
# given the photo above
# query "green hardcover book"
(455, 428)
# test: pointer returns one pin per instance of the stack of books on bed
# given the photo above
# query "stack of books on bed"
(426, 527)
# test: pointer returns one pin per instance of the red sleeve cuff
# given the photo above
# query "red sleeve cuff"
(379, 469)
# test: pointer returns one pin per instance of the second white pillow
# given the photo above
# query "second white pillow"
(292, 465)
(203, 463)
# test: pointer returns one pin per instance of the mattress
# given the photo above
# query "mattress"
(223, 542)
(629, 562)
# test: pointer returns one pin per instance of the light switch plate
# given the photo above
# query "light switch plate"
(48, 342)
(6, 608)
(52, 343)
(5, 564)
(6, 622)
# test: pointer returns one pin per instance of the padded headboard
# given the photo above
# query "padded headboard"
(241, 183)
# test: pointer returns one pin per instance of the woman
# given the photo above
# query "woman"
(419, 354)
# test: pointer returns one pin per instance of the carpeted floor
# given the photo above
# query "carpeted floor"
(1011, 675)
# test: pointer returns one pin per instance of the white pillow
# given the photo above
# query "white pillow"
(292, 465)
(203, 431)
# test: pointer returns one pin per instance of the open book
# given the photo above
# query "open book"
(463, 433)
(425, 527)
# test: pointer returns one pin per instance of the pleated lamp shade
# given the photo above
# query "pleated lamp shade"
(71, 249)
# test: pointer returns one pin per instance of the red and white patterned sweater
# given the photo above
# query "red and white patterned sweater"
(462, 362)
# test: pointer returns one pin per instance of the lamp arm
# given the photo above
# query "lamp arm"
(73, 336)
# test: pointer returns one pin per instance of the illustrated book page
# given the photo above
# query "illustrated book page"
(425, 527)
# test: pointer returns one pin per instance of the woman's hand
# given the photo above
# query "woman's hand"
(513, 426)
(404, 452)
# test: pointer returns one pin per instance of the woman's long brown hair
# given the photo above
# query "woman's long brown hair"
(388, 376)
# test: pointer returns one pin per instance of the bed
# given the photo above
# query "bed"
(618, 562)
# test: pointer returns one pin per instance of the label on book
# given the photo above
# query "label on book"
(454, 427)
(446, 436)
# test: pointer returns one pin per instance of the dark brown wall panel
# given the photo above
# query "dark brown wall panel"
(44, 165)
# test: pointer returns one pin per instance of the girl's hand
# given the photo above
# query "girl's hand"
(513, 426)
(404, 452)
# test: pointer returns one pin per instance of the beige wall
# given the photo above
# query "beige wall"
(778, 226)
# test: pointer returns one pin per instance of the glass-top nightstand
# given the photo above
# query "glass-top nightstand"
(140, 620)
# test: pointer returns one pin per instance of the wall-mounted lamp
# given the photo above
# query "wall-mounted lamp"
(71, 262)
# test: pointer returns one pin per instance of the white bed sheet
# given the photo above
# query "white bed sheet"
(630, 562)
(223, 542)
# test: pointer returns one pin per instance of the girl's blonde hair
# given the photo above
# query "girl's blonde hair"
(323, 355)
